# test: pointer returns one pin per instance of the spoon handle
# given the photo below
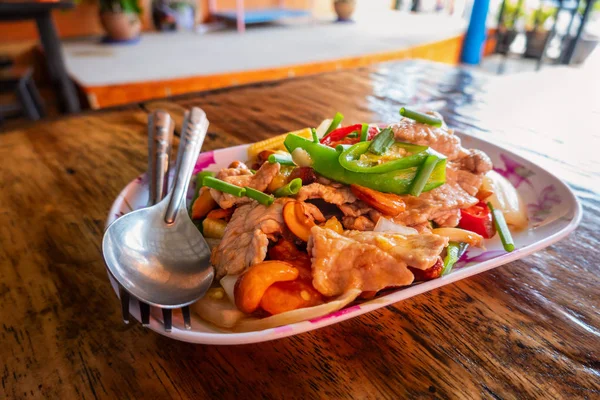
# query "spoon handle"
(193, 131)
(160, 136)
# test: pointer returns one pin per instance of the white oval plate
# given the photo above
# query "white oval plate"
(554, 212)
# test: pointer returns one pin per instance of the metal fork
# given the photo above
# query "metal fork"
(160, 137)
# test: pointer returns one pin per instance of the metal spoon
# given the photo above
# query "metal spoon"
(160, 136)
(156, 253)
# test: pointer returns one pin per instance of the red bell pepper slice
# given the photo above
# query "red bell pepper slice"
(478, 219)
(338, 136)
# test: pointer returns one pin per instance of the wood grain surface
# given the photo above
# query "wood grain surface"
(529, 329)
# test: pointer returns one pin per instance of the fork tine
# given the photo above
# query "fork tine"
(145, 313)
(168, 319)
(187, 319)
(124, 296)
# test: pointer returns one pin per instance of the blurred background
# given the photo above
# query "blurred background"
(60, 57)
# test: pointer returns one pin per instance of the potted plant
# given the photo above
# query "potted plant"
(506, 29)
(589, 38)
(120, 19)
(172, 15)
(344, 9)
(537, 33)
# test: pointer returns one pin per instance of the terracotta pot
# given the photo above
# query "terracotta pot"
(121, 26)
(344, 10)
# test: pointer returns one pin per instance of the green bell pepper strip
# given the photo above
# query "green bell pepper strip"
(290, 189)
(262, 198)
(340, 148)
(420, 117)
(325, 161)
(423, 174)
(349, 158)
(283, 159)
(454, 252)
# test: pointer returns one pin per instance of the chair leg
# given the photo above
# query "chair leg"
(27, 103)
(35, 96)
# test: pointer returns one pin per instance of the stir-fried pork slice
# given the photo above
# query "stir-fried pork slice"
(419, 251)
(439, 139)
(247, 237)
(360, 223)
(340, 263)
(444, 141)
(242, 177)
(330, 194)
(355, 209)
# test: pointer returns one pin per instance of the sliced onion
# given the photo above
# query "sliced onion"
(385, 225)
(228, 284)
(301, 157)
(220, 312)
(301, 314)
(323, 128)
(460, 235)
(506, 199)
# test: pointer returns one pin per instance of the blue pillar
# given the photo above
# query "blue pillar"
(476, 33)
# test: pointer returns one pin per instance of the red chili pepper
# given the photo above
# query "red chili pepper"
(338, 136)
(478, 219)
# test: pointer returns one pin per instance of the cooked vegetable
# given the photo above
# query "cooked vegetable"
(252, 284)
(274, 143)
(218, 311)
(262, 198)
(354, 158)
(334, 224)
(213, 228)
(342, 135)
(220, 213)
(325, 162)
(382, 141)
(335, 122)
(460, 235)
(454, 251)
(223, 186)
(358, 158)
(386, 203)
(283, 159)
(306, 174)
(290, 189)
(286, 296)
(202, 205)
(505, 198)
(285, 250)
(315, 138)
(385, 225)
(433, 272)
(478, 219)
(502, 228)
(296, 219)
(280, 179)
(301, 314)
(423, 175)
(364, 132)
(228, 285)
(302, 158)
(199, 178)
(420, 117)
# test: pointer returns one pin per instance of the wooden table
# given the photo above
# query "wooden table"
(529, 329)
(41, 13)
